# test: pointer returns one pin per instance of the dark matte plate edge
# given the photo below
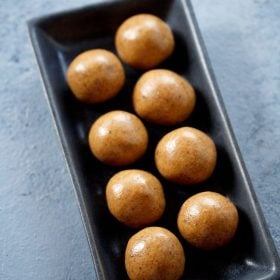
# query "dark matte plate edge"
(31, 23)
(203, 55)
(98, 269)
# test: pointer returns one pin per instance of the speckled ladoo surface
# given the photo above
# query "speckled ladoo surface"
(41, 234)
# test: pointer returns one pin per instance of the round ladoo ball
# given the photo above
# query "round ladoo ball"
(186, 156)
(163, 97)
(154, 253)
(118, 138)
(143, 41)
(95, 76)
(135, 198)
(208, 220)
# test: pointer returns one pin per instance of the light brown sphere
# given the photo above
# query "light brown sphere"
(143, 41)
(163, 97)
(135, 198)
(95, 76)
(154, 253)
(186, 156)
(208, 220)
(118, 138)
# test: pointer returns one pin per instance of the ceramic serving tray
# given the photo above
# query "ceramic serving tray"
(57, 39)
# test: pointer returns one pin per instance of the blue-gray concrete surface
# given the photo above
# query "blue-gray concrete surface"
(41, 234)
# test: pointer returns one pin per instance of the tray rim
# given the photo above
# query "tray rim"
(32, 25)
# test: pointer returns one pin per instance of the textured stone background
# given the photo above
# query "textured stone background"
(41, 234)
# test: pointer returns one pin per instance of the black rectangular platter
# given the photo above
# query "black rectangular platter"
(57, 39)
